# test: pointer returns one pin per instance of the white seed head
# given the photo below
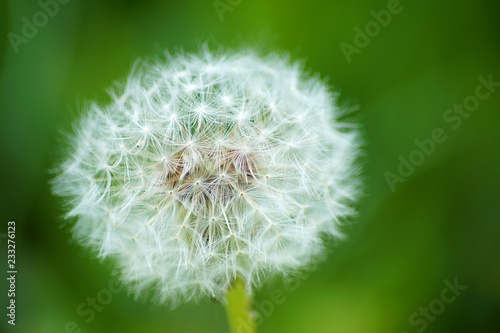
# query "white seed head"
(209, 167)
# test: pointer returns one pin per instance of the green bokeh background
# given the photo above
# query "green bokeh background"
(442, 222)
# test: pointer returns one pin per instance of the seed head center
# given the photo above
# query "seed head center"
(204, 178)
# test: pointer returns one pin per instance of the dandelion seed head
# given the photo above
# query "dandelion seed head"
(208, 167)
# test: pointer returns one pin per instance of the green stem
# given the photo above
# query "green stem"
(239, 308)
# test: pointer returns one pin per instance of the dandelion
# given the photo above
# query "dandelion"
(209, 171)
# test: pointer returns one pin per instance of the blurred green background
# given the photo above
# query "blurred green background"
(442, 222)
